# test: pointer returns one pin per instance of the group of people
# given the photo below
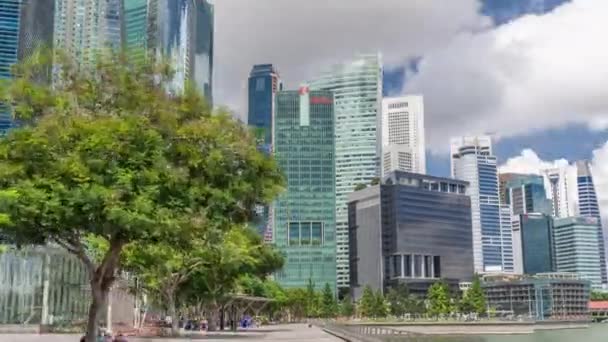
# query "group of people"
(107, 337)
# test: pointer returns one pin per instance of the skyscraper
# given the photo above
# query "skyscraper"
(577, 248)
(402, 134)
(357, 88)
(304, 215)
(556, 181)
(589, 207)
(533, 243)
(473, 161)
(526, 194)
(24, 26)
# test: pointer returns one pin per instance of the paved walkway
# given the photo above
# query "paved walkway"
(283, 333)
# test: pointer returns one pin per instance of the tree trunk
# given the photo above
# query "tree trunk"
(99, 296)
(212, 316)
(172, 312)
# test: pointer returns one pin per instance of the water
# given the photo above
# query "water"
(595, 333)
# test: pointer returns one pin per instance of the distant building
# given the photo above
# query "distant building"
(526, 194)
(264, 83)
(577, 248)
(357, 88)
(403, 147)
(556, 180)
(589, 207)
(304, 215)
(413, 229)
(553, 296)
(533, 243)
(26, 26)
(473, 161)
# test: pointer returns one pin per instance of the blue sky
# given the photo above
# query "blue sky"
(571, 142)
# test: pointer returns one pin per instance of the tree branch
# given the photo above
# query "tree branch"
(75, 247)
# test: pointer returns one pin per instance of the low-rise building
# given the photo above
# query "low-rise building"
(550, 296)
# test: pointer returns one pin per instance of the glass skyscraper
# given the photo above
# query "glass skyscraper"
(357, 88)
(526, 194)
(473, 161)
(304, 215)
(533, 243)
(577, 248)
(24, 26)
(589, 207)
(264, 83)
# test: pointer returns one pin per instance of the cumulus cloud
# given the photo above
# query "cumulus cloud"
(533, 73)
(302, 37)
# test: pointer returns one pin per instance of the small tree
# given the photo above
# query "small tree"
(347, 308)
(360, 187)
(476, 298)
(438, 297)
(398, 300)
(375, 181)
(313, 300)
(380, 307)
(329, 305)
(367, 302)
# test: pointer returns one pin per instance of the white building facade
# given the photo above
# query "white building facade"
(472, 160)
(403, 145)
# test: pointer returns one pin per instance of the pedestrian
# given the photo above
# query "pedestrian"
(121, 338)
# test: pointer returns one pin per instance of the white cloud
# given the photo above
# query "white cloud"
(303, 37)
(530, 163)
(534, 73)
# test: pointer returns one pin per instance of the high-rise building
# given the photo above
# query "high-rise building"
(412, 229)
(264, 83)
(556, 182)
(304, 215)
(473, 161)
(533, 243)
(357, 88)
(589, 207)
(577, 248)
(179, 31)
(403, 147)
(25, 26)
(526, 194)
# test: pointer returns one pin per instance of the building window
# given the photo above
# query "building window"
(428, 266)
(396, 266)
(294, 233)
(417, 266)
(259, 84)
(305, 233)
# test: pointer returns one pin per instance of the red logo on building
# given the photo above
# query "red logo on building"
(304, 90)
(321, 100)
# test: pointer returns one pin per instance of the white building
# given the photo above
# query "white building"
(556, 185)
(472, 160)
(403, 146)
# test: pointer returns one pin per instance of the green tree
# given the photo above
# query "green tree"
(398, 298)
(360, 187)
(474, 299)
(599, 296)
(380, 309)
(313, 300)
(329, 305)
(438, 298)
(347, 308)
(375, 181)
(109, 154)
(367, 302)
(297, 303)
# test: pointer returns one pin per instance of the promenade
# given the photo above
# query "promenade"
(276, 333)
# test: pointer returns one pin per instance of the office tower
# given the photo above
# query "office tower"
(26, 26)
(413, 229)
(357, 88)
(111, 25)
(135, 27)
(304, 215)
(472, 161)
(577, 248)
(589, 207)
(556, 181)
(533, 243)
(402, 134)
(526, 194)
(264, 83)
(506, 238)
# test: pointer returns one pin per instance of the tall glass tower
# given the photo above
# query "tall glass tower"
(25, 25)
(589, 207)
(304, 215)
(264, 83)
(473, 161)
(357, 88)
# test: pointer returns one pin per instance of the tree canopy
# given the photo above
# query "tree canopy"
(108, 153)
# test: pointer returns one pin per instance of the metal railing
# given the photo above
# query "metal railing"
(372, 333)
